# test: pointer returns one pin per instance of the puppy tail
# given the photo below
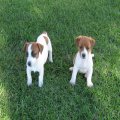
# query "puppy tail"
(71, 68)
(44, 32)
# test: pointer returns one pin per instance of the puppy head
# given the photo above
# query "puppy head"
(33, 51)
(85, 45)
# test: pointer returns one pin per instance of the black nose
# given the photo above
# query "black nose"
(29, 63)
(83, 55)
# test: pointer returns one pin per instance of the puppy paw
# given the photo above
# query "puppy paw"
(29, 82)
(92, 55)
(71, 68)
(40, 84)
(51, 61)
(72, 82)
(90, 84)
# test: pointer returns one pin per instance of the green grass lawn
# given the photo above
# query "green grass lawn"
(24, 20)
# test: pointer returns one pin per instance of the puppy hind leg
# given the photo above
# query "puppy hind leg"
(50, 56)
(86, 74)
(50, 51)
(41, 74)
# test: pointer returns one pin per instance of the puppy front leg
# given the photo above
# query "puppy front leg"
(74, 74)
(41, 74)
(29, 77)
(89, 78)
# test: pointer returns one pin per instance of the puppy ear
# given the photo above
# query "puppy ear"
(40, 47)
(77, 40)
(92, 41)
(25, 46)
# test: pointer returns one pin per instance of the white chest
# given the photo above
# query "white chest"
(38, 65)
(83, 64)
(83, 67)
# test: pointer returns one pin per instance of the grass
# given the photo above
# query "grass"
(24, 20)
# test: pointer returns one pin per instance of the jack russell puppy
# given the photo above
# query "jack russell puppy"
(37, 54)
(83, 60)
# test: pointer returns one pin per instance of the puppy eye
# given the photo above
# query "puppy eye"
(81, 47)
(87, 48)
(33, 54)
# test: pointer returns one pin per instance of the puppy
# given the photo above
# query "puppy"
(83, 60)
(37, 54)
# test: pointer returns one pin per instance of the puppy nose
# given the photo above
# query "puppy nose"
(29, 63)
(83, 55)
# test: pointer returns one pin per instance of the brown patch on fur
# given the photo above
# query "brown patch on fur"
(46, 39)
(40, 47)
(36, 48)
(84, 41)
(26, 46)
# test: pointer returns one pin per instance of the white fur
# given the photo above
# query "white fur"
(38, 64)
(83, 66)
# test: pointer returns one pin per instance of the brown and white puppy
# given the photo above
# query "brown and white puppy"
(83, 60)
(37, 54)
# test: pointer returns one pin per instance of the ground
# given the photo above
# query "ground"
(24, 20)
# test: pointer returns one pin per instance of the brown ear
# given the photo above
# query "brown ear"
(25, 46)
(92, 41)
(40, 47)
(77, 40)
